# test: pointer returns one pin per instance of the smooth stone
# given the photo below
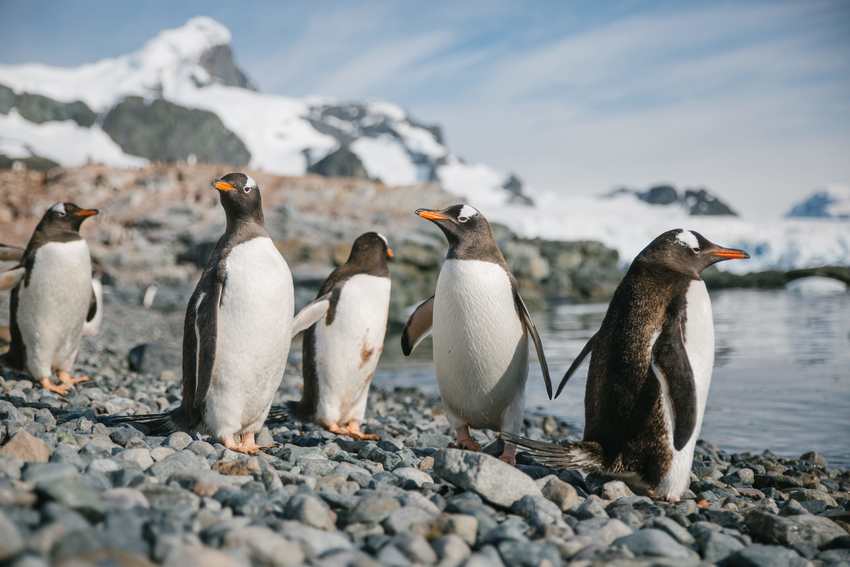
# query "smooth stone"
(40, 473)
(11, 542)
(75, 494)
(592, 507)
(603, 530)
(373, 509)
(654, 543)
(181, 462)
(495, 480)
(314, 542)
(26, 447)
(716, 546)
(462, 525)
(196, 555)
(673, 528)
(614, 489)
(529, 553)
(537, 511)
(561, 493)
(407, 518)
(138, 456)
(311, 511)
(178, 440)
(265, 546)
(758, 555)
(125, 498)
(413, 476)
(451, 547)
(792, 530)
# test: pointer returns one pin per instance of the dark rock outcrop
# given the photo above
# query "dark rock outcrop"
(817, 205)
(695, 201)
(514, 186)
(341, 162)
(36, 163)
(39, 109)
(163, 131)
(218, 61)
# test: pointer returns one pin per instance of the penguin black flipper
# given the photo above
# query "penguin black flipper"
(528, 323)
(10, 278)
(9, 253)
(576, 363)
(672, 367)
(95, 314)
(199, 338)
(418, 326)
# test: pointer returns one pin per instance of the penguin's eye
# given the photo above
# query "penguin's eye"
(247, 189)
(61, 214)
(462, 219)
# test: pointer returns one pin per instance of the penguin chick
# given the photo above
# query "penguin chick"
(342, 350)
(480, 327)
(650, 370)
(51, 295)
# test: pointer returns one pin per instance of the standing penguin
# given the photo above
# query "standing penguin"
(480, 327)
(51, 297)
(238, 328)
(342, 351)
(650, 370)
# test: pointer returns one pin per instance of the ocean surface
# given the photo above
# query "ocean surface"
(781, 379)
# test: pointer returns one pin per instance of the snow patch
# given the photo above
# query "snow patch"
(386, 159)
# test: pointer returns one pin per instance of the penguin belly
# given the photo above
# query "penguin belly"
(699, 345)
(52, 306)
(347, 351)
(480, 345)
(253, 338)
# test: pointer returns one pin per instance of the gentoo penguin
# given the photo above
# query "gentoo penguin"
(51, 297)
(650, 370)
(480, 327)
(342, 350)
(238, 328)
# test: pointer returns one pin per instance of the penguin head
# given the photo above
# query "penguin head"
(463, 225)
(370, 249)
(687, 252)
(64, 217)
(240, 197)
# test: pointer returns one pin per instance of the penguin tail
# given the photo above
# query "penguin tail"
(584, 455)
(282, 412)
(157, 424)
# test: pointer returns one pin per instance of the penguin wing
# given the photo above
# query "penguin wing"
(418, 326)
(199, 337)
(95, 315)
(673, 369)
(10, 278)
(576, 363)
(9, 253)
(528, 323)
(311, 313)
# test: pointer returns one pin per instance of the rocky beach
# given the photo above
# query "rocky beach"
(75, 492)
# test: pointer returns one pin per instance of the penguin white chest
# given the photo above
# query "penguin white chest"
(253, 334)
(699, 346)
(52, 307)
(480, 345)
(348, 350)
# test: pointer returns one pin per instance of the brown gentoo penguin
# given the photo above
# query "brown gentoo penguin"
(238, 328)
(480, 331)
(650, 370)
(52, 295)
(342, 350)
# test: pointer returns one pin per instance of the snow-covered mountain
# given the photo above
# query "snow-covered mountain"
(183, 97)
(831, 202)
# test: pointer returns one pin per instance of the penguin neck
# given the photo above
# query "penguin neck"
(372, 264)
(45, 233)
(483, 249)
(241, 229)
(663, 271)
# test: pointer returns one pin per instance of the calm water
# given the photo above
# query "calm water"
(781, 378)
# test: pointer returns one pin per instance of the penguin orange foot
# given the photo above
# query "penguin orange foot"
(246, 443)
(61, 389)
(465, 440)
(69, 380)
(352, 429)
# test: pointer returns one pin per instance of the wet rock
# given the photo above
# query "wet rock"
(493, 479)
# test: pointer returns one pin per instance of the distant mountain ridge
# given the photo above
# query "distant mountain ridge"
(695, 202)
(831, 202)
(183, 97)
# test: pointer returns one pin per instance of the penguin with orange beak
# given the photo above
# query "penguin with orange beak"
(52, 298)
(650, 370)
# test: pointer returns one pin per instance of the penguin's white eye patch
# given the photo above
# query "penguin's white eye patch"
(249, 184)
(687, 239)
(466, 213)
(59, 208)
(384, 238)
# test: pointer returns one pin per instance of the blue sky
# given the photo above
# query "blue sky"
(751, 99)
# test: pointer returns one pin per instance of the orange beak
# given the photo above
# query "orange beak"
(431, 215)
(729, 254)
(390, 253)
(223, 185)
(84, 213)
